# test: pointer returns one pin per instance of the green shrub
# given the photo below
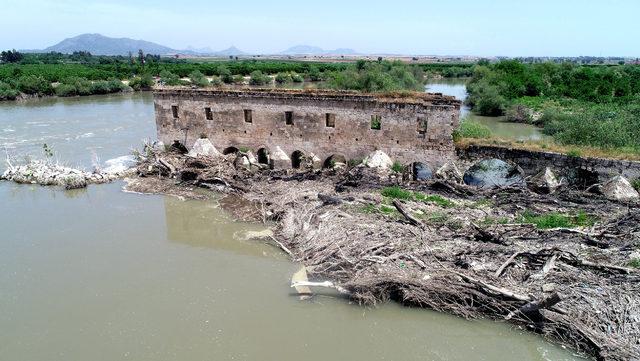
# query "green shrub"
(143, 82)
(198, 79)
(297, 78)
(634, 263)
(238, 79)
(116, 85)
(225, 74)
(258, 78)
(31, 84)
(382, 76)
(7, 92)
(169, 78)
(100, 87)
(282, 78)
(636, 184)
(471, 129)
(66, 90)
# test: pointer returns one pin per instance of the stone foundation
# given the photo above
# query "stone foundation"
(533, 162)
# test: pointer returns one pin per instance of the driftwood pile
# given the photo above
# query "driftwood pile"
(470, 255)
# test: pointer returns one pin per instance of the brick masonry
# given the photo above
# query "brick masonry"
(402, 134)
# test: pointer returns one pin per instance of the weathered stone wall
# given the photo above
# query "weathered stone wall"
(352, 136)
(534, 161)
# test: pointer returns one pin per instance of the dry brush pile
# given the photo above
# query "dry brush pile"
(562, 265)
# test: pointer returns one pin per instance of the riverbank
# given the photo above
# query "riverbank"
(441, 245)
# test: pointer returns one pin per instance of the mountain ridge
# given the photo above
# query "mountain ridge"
(98, 44)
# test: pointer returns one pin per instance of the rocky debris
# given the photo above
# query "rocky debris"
(203, 146)
(242, 160)
(251, 158)
(119, 165)
(47, 173)
(379, 160)
(280, 159)
(449, 172)
(489, 173)
(421, 172)
(314, 161)
(618, 188)
(544, 182)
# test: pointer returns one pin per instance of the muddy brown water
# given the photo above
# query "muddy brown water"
(99, 274)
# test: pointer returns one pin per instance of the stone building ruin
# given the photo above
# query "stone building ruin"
(283, 127)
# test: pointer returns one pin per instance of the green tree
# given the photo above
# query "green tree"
(198, 79)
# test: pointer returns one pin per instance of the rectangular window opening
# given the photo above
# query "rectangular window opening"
(330, 120)
(208, 113)
(288, 118)
(248, 116)
(376, 122)
(174, 111)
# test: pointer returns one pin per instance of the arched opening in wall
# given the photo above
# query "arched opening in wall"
(421, 171)
(296, 159)
(263, 156)
(230, 150)
(334, 160)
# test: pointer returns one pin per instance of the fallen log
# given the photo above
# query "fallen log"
(506, 264)
(413, 220)
(578, 262)
(483, 235)
(502, 291)
(535, 306)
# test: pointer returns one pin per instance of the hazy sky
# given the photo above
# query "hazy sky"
(462, 27)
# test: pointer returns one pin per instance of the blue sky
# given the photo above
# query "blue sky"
(462, 27)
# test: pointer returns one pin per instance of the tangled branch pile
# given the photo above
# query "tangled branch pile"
(494, 253)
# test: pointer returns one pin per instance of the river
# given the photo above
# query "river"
(498, 126)
(100, 274)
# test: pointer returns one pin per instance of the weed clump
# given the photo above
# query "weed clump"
(557, 220)
(396, 192)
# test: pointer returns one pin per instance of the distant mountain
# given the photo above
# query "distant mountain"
(314, 50)
(229, 51)
(98, 44)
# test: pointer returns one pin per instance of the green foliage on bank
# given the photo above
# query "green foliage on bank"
(594, 106)
(471, 129)
(259, 78)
